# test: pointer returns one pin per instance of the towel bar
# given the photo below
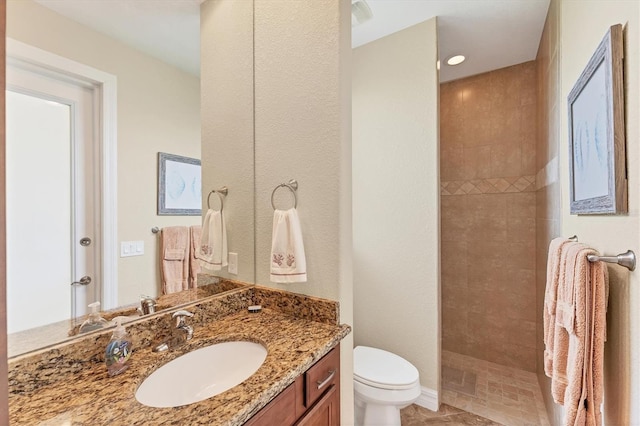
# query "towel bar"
(155, 229)
(293, 187)
(626, 259)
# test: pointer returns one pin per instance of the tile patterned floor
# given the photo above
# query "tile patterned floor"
(502, 394)
(414, 415)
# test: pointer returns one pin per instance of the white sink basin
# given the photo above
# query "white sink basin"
(201, 374)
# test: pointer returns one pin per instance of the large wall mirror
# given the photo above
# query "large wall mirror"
(158, 109)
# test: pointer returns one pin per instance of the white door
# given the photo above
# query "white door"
(52, 199)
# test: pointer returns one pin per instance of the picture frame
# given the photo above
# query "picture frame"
(179, 185)
(597, 152)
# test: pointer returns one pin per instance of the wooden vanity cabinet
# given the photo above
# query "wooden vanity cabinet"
(313, 399)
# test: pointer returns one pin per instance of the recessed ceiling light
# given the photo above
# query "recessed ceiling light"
(455, 60)
(360, 12)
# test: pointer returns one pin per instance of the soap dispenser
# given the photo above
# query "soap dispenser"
(95, 321)
(118, 349)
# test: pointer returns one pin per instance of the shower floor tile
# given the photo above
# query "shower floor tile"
(505, 395)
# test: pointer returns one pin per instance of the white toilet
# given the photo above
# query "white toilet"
(383, 383)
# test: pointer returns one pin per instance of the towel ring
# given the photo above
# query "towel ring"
(293, 187)
(222, 191)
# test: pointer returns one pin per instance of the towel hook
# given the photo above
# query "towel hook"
(222, 191)
(293, 187)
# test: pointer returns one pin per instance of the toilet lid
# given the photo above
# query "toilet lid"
(382, 369)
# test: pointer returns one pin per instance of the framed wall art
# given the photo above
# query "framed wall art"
(597, 153)
(179, 185)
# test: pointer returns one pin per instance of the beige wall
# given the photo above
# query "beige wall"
(299, 113)
(573, 31)
(158, 111)
(395, 198)
(488, 136)
(582, 27)
(302, 131)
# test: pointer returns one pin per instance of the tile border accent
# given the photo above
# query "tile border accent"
(548, 174)
(489, 186)
(428, 399)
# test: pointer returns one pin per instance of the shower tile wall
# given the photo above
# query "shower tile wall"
(548, 206)
(488, 201)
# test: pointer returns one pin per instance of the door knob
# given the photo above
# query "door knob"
(86, 280)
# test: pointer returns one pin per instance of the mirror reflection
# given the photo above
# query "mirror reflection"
(83, 183)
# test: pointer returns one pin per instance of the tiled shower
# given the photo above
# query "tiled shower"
(488, 134)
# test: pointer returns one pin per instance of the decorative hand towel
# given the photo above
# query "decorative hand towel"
(195, 234)
(174, 252)
(288, 263)
(212, 251)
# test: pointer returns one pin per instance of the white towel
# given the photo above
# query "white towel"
(288, 263)
(212, 251)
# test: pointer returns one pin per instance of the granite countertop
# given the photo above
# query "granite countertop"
(92, 397)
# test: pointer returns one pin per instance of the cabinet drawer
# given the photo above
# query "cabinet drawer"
(320, 377)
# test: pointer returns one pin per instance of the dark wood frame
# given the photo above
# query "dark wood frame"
(163, 157)
(609, 54)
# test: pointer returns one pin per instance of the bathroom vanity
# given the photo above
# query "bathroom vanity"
(298, 381)
(312, 399)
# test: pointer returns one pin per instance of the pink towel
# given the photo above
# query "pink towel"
(194, 265)
(555, 269)
(174, 252)
(579, 332)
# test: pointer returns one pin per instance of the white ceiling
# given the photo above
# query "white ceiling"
(165, 29)
(492, 34)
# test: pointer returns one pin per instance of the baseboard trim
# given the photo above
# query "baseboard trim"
(428, 399)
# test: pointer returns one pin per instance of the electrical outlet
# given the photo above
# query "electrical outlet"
(233, 263)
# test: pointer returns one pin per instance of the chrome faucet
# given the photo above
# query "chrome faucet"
(181, 334)
(182, 325)
(147, 305)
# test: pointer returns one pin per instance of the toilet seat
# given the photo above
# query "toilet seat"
(384, 370)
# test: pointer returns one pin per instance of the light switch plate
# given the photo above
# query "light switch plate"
(131, 248)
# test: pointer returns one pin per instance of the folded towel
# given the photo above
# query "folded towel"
(579, 333)
(288, 263)
(569, 328)
(174, 249)
(554, 267)
(212, 251)
(195, 233)
(600, 301)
